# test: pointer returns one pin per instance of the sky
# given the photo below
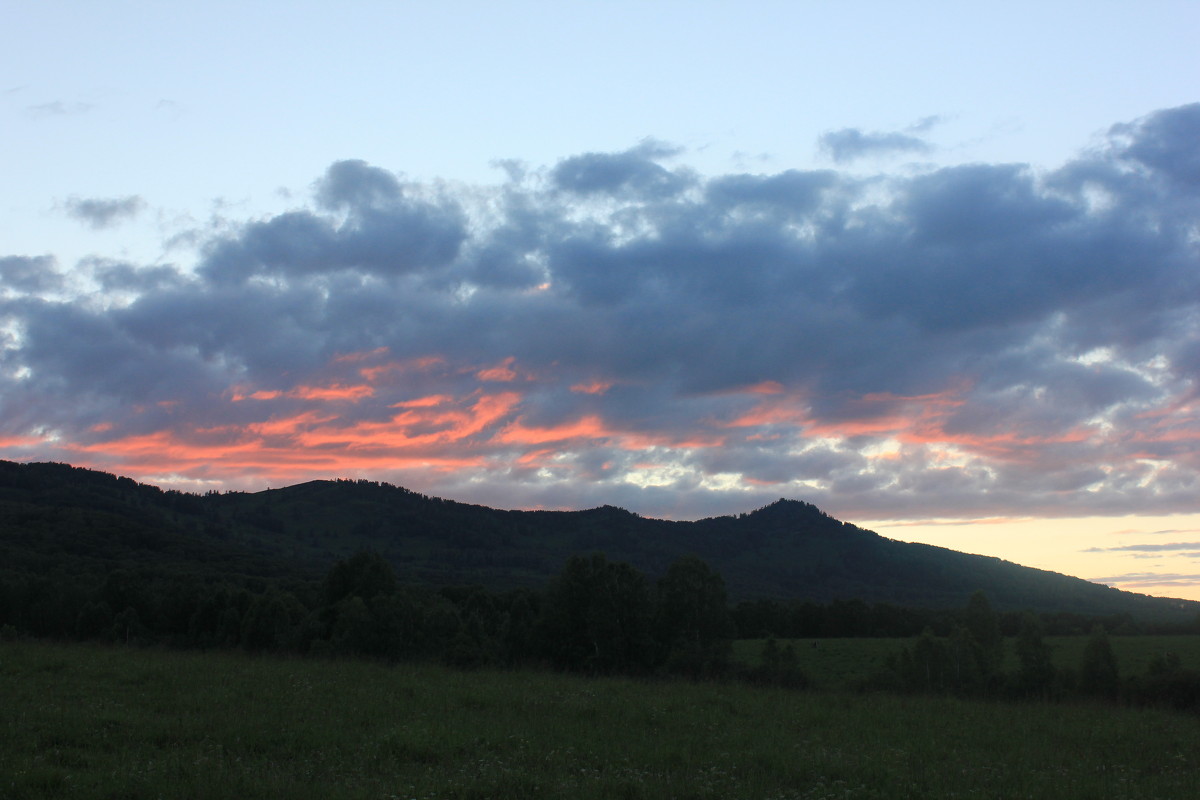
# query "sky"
(933, 267)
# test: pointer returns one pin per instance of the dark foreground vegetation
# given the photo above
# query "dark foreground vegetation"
(600, 617)
(91, 721)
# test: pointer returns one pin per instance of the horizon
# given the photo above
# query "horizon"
(911, 266)
(927, 538)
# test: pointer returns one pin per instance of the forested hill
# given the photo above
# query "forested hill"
(61, 519)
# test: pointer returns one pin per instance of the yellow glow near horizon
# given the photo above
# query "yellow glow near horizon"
(1099, 549)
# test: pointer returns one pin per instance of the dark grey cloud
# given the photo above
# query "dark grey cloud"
(126, 277)
(959, 342)
(635, 172)
(355, 184)
(851, 144)
(29, 273)
(382, 235)
(792, 192)
(1166, 142)
(101, 213)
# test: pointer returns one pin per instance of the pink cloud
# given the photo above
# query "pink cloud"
(501, 373)
(591, 387)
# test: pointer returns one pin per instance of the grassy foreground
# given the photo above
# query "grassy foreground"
(88, 722)
(844, 663)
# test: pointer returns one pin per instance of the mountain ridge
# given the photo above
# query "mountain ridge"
(56, 516)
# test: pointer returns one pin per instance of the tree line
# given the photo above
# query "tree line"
(596, 616)
(971, 660)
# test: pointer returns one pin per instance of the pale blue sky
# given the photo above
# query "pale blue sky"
(187, 104)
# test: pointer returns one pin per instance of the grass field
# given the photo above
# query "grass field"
(843, 663)
(89, 722)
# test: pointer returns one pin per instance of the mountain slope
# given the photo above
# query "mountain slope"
(53, 516)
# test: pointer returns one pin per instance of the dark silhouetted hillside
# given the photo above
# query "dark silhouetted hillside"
(72, 520)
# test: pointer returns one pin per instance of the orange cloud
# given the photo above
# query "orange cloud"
(286, 426)
(423, 364)
(289, 448)
(501, 373)
(168, 450)
(414, 427)
(592, 428)
(589, 427)
(424, 402)
(537, 457)
(766, 387)
(785, 411)
(335, 392)
(1008, 446)
(915, 419)
(591, 387)
(22, 441)
(759, 481)
(164, 452)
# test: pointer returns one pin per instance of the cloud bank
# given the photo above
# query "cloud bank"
(969, 341)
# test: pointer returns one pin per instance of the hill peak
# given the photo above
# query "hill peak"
(784, 508)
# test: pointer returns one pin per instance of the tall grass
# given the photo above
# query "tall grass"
(845, 663)
(89, 722)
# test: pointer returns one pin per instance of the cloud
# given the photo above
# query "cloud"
(851, 144)
(29, 273)
(964, 342)
(123, 276)
(1163, 532)
(382, 231)
(59, 108)
(1141, 581)
(104, 213)
(635, 172)
(1164, 141)
(355, 184)
(1147, 548)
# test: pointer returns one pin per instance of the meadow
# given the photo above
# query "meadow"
(846, 663)
(86, 721)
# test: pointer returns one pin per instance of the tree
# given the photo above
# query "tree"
(780, 666)
(270, 620)
(693, 620)
(365, 574)
(926, 665)
(95, 620)
(1098, 674)
(353, 631)
(984, 629)
(127, 627)
(964, 663)
(1035, 673)
(518, 632)
(596, 617)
